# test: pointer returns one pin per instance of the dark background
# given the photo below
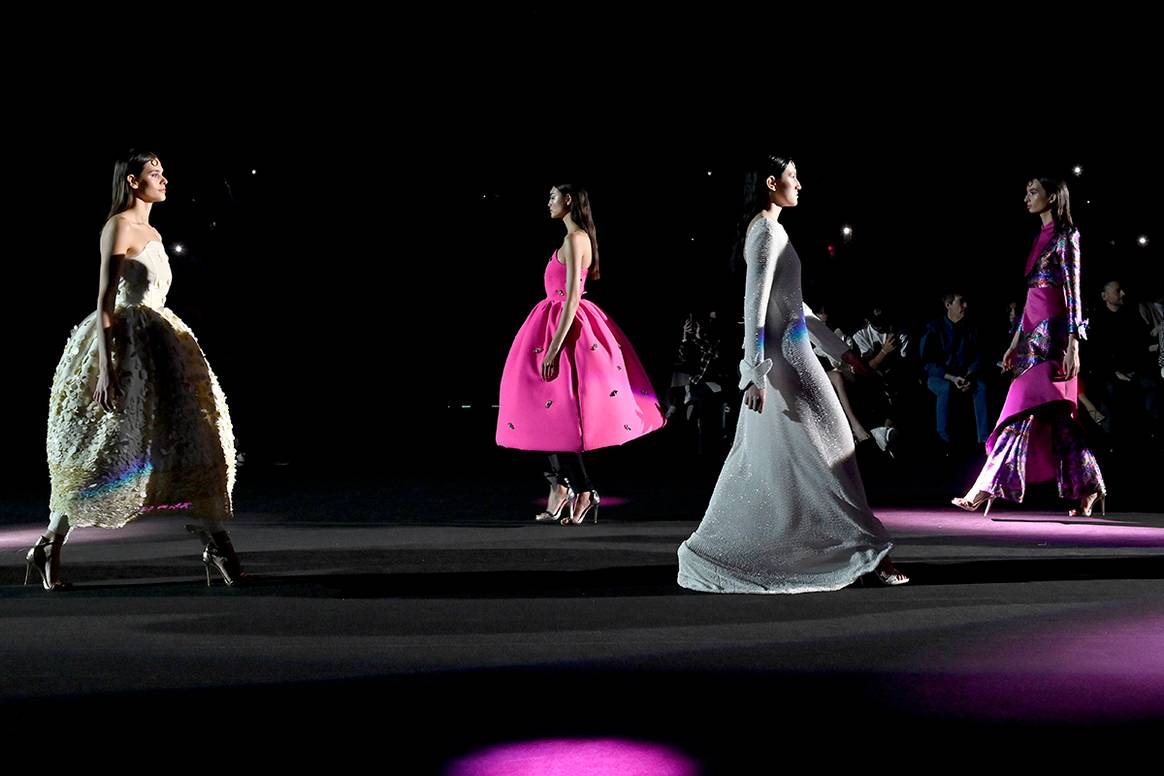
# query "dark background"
(360, 246)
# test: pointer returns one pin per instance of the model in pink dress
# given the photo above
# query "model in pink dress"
(572, 381)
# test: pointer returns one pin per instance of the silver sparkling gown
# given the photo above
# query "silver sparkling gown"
(788, 514)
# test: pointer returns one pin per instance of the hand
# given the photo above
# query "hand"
(889, 345)
(550, 365)
(1008, 359)
(107, 391)
(1071, 360)
(754, 398)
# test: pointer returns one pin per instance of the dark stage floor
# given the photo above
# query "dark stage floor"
(388, 616)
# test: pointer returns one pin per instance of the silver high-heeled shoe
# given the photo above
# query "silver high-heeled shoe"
(546, 516)
(578, 519)
(972, 506)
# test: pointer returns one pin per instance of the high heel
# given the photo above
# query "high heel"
(890, 576)
(546, 516)
(972, 506)
(218, 552)
(42, 556)
(578, 519)
(1083, 511)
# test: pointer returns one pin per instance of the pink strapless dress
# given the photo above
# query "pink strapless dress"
(601, 395)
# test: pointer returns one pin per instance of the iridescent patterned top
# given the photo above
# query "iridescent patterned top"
(1053, 308)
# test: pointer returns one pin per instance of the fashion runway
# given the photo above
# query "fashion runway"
(441, 627)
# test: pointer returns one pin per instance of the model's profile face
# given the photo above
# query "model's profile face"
(150, 185)
(1037, 199)
(559, 203)
(785, 190)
